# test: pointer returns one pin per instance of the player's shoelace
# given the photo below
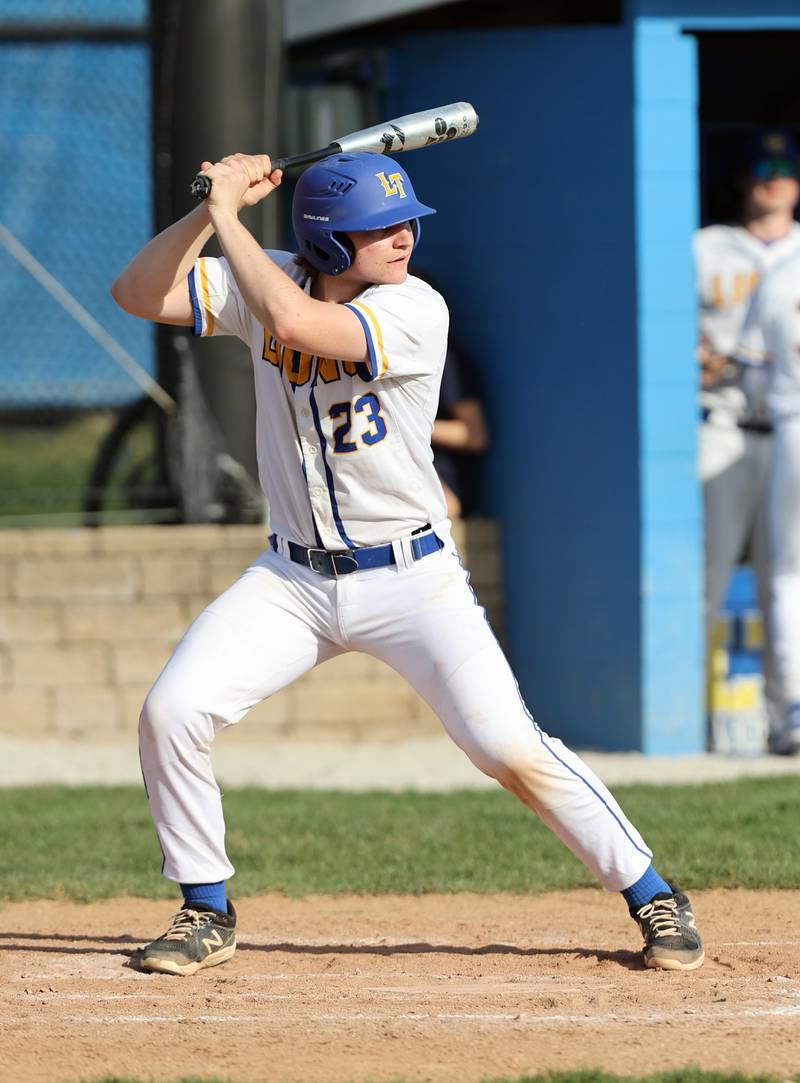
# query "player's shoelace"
(184, 924)
(662, 917)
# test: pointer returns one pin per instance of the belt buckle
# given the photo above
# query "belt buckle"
(323, 562)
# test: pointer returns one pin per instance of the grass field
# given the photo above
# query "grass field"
(93, 843)
(44, 469)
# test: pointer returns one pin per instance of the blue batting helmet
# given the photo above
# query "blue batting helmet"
(345, 192)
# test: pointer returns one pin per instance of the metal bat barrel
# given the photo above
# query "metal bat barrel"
(423, 129)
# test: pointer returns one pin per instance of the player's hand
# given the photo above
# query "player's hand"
(240, 180)
(712, 365)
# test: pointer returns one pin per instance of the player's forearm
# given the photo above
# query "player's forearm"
(456, 434)
(162, 264)
(452, 434)
(272, 297)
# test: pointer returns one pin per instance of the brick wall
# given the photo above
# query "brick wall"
(89, 617)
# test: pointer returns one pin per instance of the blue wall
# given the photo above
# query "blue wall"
(667, 198)
(535, 245)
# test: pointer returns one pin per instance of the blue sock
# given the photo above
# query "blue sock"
(645, 889)
(213, 895)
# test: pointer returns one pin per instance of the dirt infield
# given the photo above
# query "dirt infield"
(436, 988)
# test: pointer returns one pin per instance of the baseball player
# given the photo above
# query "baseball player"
(735, 434)
(773, 327)
(348, 350)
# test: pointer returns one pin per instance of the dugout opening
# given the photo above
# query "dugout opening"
(747, 81)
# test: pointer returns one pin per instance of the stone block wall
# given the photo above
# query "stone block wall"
(89, 617)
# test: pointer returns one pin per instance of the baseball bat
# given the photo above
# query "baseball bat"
(423, 129)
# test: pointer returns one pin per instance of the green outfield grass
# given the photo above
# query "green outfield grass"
(44, 468)
(98, 842)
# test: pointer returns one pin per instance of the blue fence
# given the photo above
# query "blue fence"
(122, 13)
(76, 178)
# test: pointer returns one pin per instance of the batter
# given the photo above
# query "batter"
(348, 350)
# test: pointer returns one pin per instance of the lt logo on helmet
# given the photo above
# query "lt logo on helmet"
(393, 186)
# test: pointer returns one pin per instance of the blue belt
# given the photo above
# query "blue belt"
(345, 561)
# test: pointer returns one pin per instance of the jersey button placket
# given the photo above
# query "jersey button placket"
(320, 502)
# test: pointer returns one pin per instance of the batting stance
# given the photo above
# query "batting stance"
(348, 351)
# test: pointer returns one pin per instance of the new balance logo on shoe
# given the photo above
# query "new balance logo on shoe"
(197, 937)
(213, 941)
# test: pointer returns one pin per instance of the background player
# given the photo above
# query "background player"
(348, 351)
(773, 326)
(735, 434)
(460, 431)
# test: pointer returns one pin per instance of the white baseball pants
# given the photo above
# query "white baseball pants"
(280, 619)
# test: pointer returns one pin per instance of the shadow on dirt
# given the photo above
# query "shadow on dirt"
(69, 944)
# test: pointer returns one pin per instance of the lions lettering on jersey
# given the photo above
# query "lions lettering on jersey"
(297, 366)
(738, 289)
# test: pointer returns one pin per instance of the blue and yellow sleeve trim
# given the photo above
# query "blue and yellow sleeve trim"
(198, 315)
(201, 302)
(379, 362)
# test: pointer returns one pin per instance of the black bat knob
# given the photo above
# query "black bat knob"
(201, 187)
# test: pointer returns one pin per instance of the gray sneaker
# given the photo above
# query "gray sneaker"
(198, 936)
(671, 939)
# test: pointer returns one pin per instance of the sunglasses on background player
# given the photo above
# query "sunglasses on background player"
(773, 168)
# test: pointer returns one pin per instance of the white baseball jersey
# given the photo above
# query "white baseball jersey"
(730, 262)
(772, 332)
(344, 447)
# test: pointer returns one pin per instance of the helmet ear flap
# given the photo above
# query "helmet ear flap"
(333, 256)
(345, 243)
